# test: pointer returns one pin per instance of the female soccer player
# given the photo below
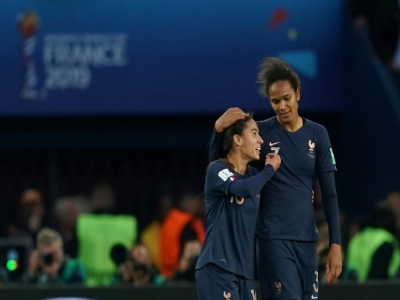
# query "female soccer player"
(287, 232)
(232, 195)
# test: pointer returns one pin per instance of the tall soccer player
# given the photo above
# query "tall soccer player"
(286, 230)
(225, 268)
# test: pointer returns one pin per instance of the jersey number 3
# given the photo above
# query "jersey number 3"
(276, 149)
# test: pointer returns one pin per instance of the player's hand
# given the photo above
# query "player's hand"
(333, 265)
(228, 118)
(274, 160)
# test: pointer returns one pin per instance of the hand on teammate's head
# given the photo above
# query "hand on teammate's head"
(229, 117)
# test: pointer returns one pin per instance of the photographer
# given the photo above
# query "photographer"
(139, 269)
(187, 263)
(49, 265)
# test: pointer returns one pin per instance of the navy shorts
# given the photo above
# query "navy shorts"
(287, 269)
(214, 283)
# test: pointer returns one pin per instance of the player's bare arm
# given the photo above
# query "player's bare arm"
(228, 118)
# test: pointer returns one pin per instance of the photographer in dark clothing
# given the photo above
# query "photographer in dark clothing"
(187, 263)
(138, 268)
(49, 265)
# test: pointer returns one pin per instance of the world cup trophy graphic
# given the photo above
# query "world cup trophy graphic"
(27, 25)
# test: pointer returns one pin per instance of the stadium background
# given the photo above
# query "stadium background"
(128, 93)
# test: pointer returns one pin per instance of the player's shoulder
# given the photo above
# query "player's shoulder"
(219, 169)
(267, 123)
(218, 165)
(315, 126)
(317, 132)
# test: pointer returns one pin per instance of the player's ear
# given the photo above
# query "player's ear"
(237, 139)
(298, 94)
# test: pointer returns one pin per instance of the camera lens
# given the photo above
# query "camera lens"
(47, 258)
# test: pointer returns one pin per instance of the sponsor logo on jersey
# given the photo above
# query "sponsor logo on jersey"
(225, 174)
(275, 149)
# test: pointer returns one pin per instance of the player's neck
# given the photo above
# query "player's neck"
(294, 125)
(238, 164)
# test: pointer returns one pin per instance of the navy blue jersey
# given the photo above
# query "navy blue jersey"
(215, 283)
(232, 205)
(286, 210)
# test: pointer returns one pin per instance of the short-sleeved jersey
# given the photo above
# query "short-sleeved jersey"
(231, 222)
(286, 209)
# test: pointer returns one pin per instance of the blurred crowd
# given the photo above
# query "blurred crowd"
(83, 241)
(380, 21)
(370, 244)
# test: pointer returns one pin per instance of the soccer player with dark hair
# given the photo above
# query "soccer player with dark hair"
(225, 268)
(286, 229)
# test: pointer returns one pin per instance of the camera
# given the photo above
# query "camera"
(141, 270)
(47, 258)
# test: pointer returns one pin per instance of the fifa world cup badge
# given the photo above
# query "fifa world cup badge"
(27, 25)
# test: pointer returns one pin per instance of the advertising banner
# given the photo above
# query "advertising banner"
(124, 57)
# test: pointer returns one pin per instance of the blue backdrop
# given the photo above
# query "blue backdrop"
(87, 57)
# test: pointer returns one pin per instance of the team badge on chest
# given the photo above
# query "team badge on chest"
(311, 146)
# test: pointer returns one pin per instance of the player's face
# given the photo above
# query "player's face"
(251, 141)
(284, 101)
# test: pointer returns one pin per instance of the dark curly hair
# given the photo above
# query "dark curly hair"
(273, 69)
